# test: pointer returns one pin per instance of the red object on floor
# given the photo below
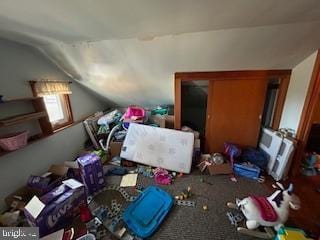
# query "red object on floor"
(85, 214)
(267, 211)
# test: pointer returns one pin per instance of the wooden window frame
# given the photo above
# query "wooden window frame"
(67, 109)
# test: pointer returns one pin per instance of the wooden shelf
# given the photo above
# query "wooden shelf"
(21, 118)
(31, 140)
(20, 99)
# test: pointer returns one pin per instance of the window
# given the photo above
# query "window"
(56, 99)
(57, 110)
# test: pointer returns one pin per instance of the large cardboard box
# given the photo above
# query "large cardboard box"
(91, 171)
(57, 208)
(217, 169)
(115, 149)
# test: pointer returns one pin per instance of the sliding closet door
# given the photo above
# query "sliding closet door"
(234, 112)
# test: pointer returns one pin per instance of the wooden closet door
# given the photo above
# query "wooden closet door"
(234, 112)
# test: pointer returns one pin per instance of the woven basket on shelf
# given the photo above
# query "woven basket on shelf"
(14, 141)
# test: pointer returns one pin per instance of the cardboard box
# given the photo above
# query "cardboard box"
(165, 121)
(73, 170)
(57, 208)
(19, 198)
(217, 169)
(49, 180)
(91, 171)
(115, 149)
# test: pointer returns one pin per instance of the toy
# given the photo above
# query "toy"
(235, 219)
(184, 195)
(291, 234)
(272, 211)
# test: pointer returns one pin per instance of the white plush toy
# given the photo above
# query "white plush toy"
(272, 211)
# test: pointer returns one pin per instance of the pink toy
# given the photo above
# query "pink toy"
(134, 113)
(162, 176)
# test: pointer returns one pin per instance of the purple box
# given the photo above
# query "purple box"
(59, 207)
(91, 171)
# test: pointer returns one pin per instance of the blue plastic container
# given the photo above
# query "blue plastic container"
(252, 171)
(146, 213)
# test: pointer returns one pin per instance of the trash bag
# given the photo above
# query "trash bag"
(256, 157)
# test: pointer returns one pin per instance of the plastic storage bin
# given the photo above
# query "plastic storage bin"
(145, 214)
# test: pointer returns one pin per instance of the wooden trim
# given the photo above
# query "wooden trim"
(193, 76)
(282, 93)
(208, 115)
(67, 103)
(40, 137)
(306, 116)
(177, 103)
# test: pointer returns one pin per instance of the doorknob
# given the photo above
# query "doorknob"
(260, 117)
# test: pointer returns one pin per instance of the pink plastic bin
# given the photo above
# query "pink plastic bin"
(135, 113)
(14, 141)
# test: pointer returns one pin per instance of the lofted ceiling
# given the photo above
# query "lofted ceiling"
(128, 51)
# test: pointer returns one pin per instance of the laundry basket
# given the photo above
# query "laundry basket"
(13, 141)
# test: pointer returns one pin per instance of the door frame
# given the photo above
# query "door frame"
(283, 75)
(307, 114)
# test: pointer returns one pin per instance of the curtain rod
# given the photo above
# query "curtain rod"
(53, 81)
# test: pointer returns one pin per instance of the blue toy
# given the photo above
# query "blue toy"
(146, 213)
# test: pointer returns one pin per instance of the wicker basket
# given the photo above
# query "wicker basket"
(14, 141)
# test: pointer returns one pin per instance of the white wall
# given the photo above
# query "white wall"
(19, 64)
(297, 91)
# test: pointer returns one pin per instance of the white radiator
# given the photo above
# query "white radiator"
(280, 151)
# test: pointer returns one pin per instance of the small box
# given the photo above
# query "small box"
(57, 208)
(164, 121)
(49, 180)
(216, 169)
(91, 171)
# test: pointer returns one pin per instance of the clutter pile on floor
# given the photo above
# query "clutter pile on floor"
(78, 200)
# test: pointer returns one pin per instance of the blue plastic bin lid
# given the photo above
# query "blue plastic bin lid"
(145, 214)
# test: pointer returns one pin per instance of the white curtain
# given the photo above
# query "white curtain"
(45, 87)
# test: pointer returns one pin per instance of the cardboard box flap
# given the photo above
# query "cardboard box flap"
(72, 183)
(34, 207)
(59, 170)
(71, 164)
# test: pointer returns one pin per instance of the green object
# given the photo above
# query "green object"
(287, 233)
(103, 129)
(101, 154)
(159, 111)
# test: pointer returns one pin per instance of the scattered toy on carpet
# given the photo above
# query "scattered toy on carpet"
(272, 211)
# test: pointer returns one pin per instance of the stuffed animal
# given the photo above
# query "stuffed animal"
(272, 211)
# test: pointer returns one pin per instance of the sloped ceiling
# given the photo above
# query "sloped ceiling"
(128, 51)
